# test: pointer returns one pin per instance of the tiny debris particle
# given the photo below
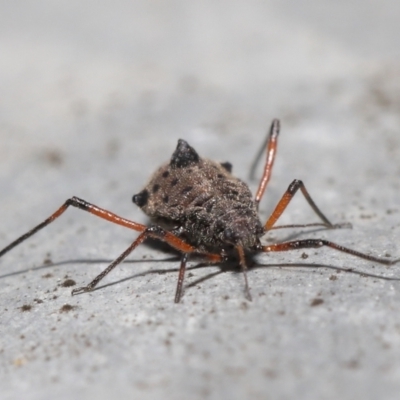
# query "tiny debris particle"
(38, 301)
(316, 302)
(67, 308)
(47, 275)
(68, 283)
(304, 256)
(333, 278)
(367, 216)
(353, 364)
(25, 307)
(47, 261)
(53, 157)
(19, 362)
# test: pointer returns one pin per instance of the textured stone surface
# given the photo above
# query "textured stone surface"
(94, 97)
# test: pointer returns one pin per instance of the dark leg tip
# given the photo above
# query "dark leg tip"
(81, 290)
(248, 296)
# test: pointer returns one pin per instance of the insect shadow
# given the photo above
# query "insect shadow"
(223, 268)
(198, 207)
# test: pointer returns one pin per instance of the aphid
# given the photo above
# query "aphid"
(198, 206)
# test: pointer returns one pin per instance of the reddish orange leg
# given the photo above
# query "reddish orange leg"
(99, 277)
(153, 231)
(315, 243)
(271, 145)
(284, 202)
(83, 205)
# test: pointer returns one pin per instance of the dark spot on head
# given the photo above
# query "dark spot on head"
(174, 181)
(227, 166)
(184, 155)
(220, 176)
(186, 190)
(201, 201)
(165, 174)
(166, 199)
(156, 187)
(26, 307)
(141, 198)
(68, 283)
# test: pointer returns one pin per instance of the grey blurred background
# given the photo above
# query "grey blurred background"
(93, 97)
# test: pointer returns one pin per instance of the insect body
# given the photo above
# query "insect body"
(202, 202)
(198, 206)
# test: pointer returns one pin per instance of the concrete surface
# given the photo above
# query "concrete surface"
(93, 97)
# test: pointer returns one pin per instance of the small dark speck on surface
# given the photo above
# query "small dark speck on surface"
(26, 307)
(316, 302)
(333, 278)
(47, 261)
(67, 308)
(53, 157)
(304, 256)
(353, 364)
(47, 275)
(68, 283)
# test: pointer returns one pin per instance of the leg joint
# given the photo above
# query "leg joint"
(294, 186)
(155, 230)
(79, 203)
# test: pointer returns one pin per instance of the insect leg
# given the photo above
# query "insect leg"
(182, 270)
(117, 261)
(285, 200)
(83, 205)
(316, 243)
(271, 145)
(243, 265)
(155, 232)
